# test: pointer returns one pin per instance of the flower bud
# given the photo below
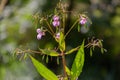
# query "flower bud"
(57, 36)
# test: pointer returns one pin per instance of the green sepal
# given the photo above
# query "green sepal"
(43, 57)
(25, 56)
(91, 52)
(47, 59)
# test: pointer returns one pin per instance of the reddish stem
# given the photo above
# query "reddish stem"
(64, 63)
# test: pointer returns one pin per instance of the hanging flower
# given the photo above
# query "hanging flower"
(40, 33)
(55, 18)
(56, 21)
(83, 20)
(38, 30)
(39, 36)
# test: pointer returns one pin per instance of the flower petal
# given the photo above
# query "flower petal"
(39, 36)
(38, 30)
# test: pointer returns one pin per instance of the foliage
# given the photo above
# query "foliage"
(78, 63)
(16, 30)
(55, 25)
(42, 70)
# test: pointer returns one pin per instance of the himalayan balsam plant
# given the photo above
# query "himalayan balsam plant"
(55, 25)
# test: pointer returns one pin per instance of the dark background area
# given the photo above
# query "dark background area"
(17, 30)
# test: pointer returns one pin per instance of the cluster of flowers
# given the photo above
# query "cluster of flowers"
(56, 23)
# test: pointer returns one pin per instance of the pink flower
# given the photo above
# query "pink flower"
(39, 36)
(55, 18)
(83, 20)
(40, 33)
(56, 23)
(57, 36)
(38, 30)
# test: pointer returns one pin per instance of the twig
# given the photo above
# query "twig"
(49, 27)
(71, 28)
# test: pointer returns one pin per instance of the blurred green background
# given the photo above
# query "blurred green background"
(18, 30)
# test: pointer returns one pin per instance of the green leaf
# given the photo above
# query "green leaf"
(67, 71)
(78, 63)
(43, 71)
(49, 52)
(62, 42)
(72, 50)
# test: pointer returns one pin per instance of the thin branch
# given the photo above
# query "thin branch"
(64, 20)
(71, 27)
(64, 63)
(49, 27)
(50, 32)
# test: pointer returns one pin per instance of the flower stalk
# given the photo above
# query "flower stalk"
(71, 27)
(64, 63)
(50, 27)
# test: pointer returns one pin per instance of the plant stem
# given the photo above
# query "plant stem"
(64, 16)
(50, 32)
(71, 28)
(49, 27)
(64, 63)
